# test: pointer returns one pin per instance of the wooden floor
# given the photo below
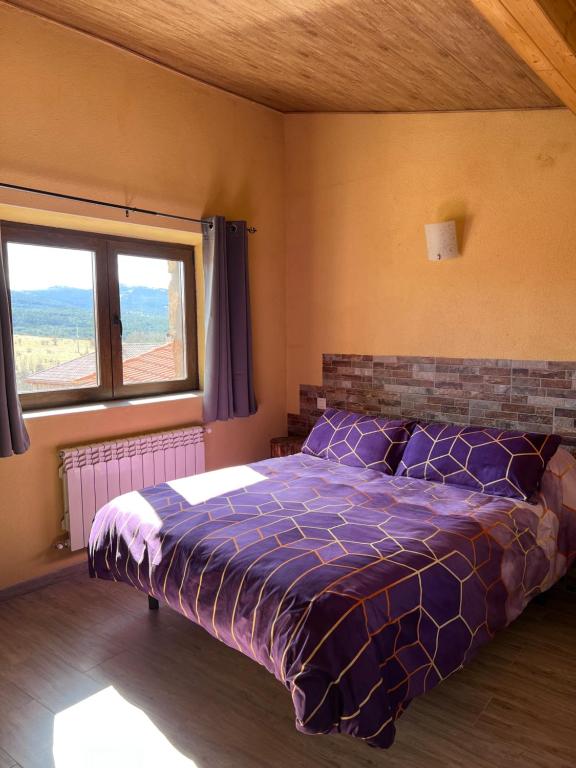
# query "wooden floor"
(206, 706)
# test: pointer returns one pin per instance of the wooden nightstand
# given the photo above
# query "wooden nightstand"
(285, 446)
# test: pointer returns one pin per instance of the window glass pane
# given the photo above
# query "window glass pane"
(151, 306)
(52, 296)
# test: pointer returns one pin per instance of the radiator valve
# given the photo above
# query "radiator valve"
(62, 544)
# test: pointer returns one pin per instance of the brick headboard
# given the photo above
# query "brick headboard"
(534, 395)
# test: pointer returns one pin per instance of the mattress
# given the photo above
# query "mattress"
(357, 590)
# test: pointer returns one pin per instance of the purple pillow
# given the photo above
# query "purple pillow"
(359, 441)
(502, 463)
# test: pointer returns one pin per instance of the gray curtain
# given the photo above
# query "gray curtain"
(228, 378)
(13, 435)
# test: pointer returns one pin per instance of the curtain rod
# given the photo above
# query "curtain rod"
(126, 208)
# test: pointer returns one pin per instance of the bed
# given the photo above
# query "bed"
(358, 590)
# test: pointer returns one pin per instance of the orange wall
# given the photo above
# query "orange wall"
(360, 189)
(85, 118)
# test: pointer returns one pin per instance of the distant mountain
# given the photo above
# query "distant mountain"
(68, 313)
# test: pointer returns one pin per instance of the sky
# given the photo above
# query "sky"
(34, 267)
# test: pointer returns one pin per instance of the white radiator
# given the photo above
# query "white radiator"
(95, 474)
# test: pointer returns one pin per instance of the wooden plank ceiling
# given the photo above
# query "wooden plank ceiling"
(543, 33)
(321, 55)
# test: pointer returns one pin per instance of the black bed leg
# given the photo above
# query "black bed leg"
(153, 604)
(542, 598)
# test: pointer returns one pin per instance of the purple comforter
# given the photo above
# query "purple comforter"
(357, 590)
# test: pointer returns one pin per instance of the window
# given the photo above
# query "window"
(97, 318)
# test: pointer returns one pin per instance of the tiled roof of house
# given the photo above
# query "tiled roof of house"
(158, 364)
(73, 371)
(142, 362)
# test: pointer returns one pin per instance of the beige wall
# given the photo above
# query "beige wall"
(82, 117)
(360, 189)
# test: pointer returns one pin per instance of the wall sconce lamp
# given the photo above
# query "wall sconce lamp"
(441, 240)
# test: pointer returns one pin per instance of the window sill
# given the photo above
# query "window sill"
(94, 407)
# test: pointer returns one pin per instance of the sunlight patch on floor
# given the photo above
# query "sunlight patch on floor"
(106, 730)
